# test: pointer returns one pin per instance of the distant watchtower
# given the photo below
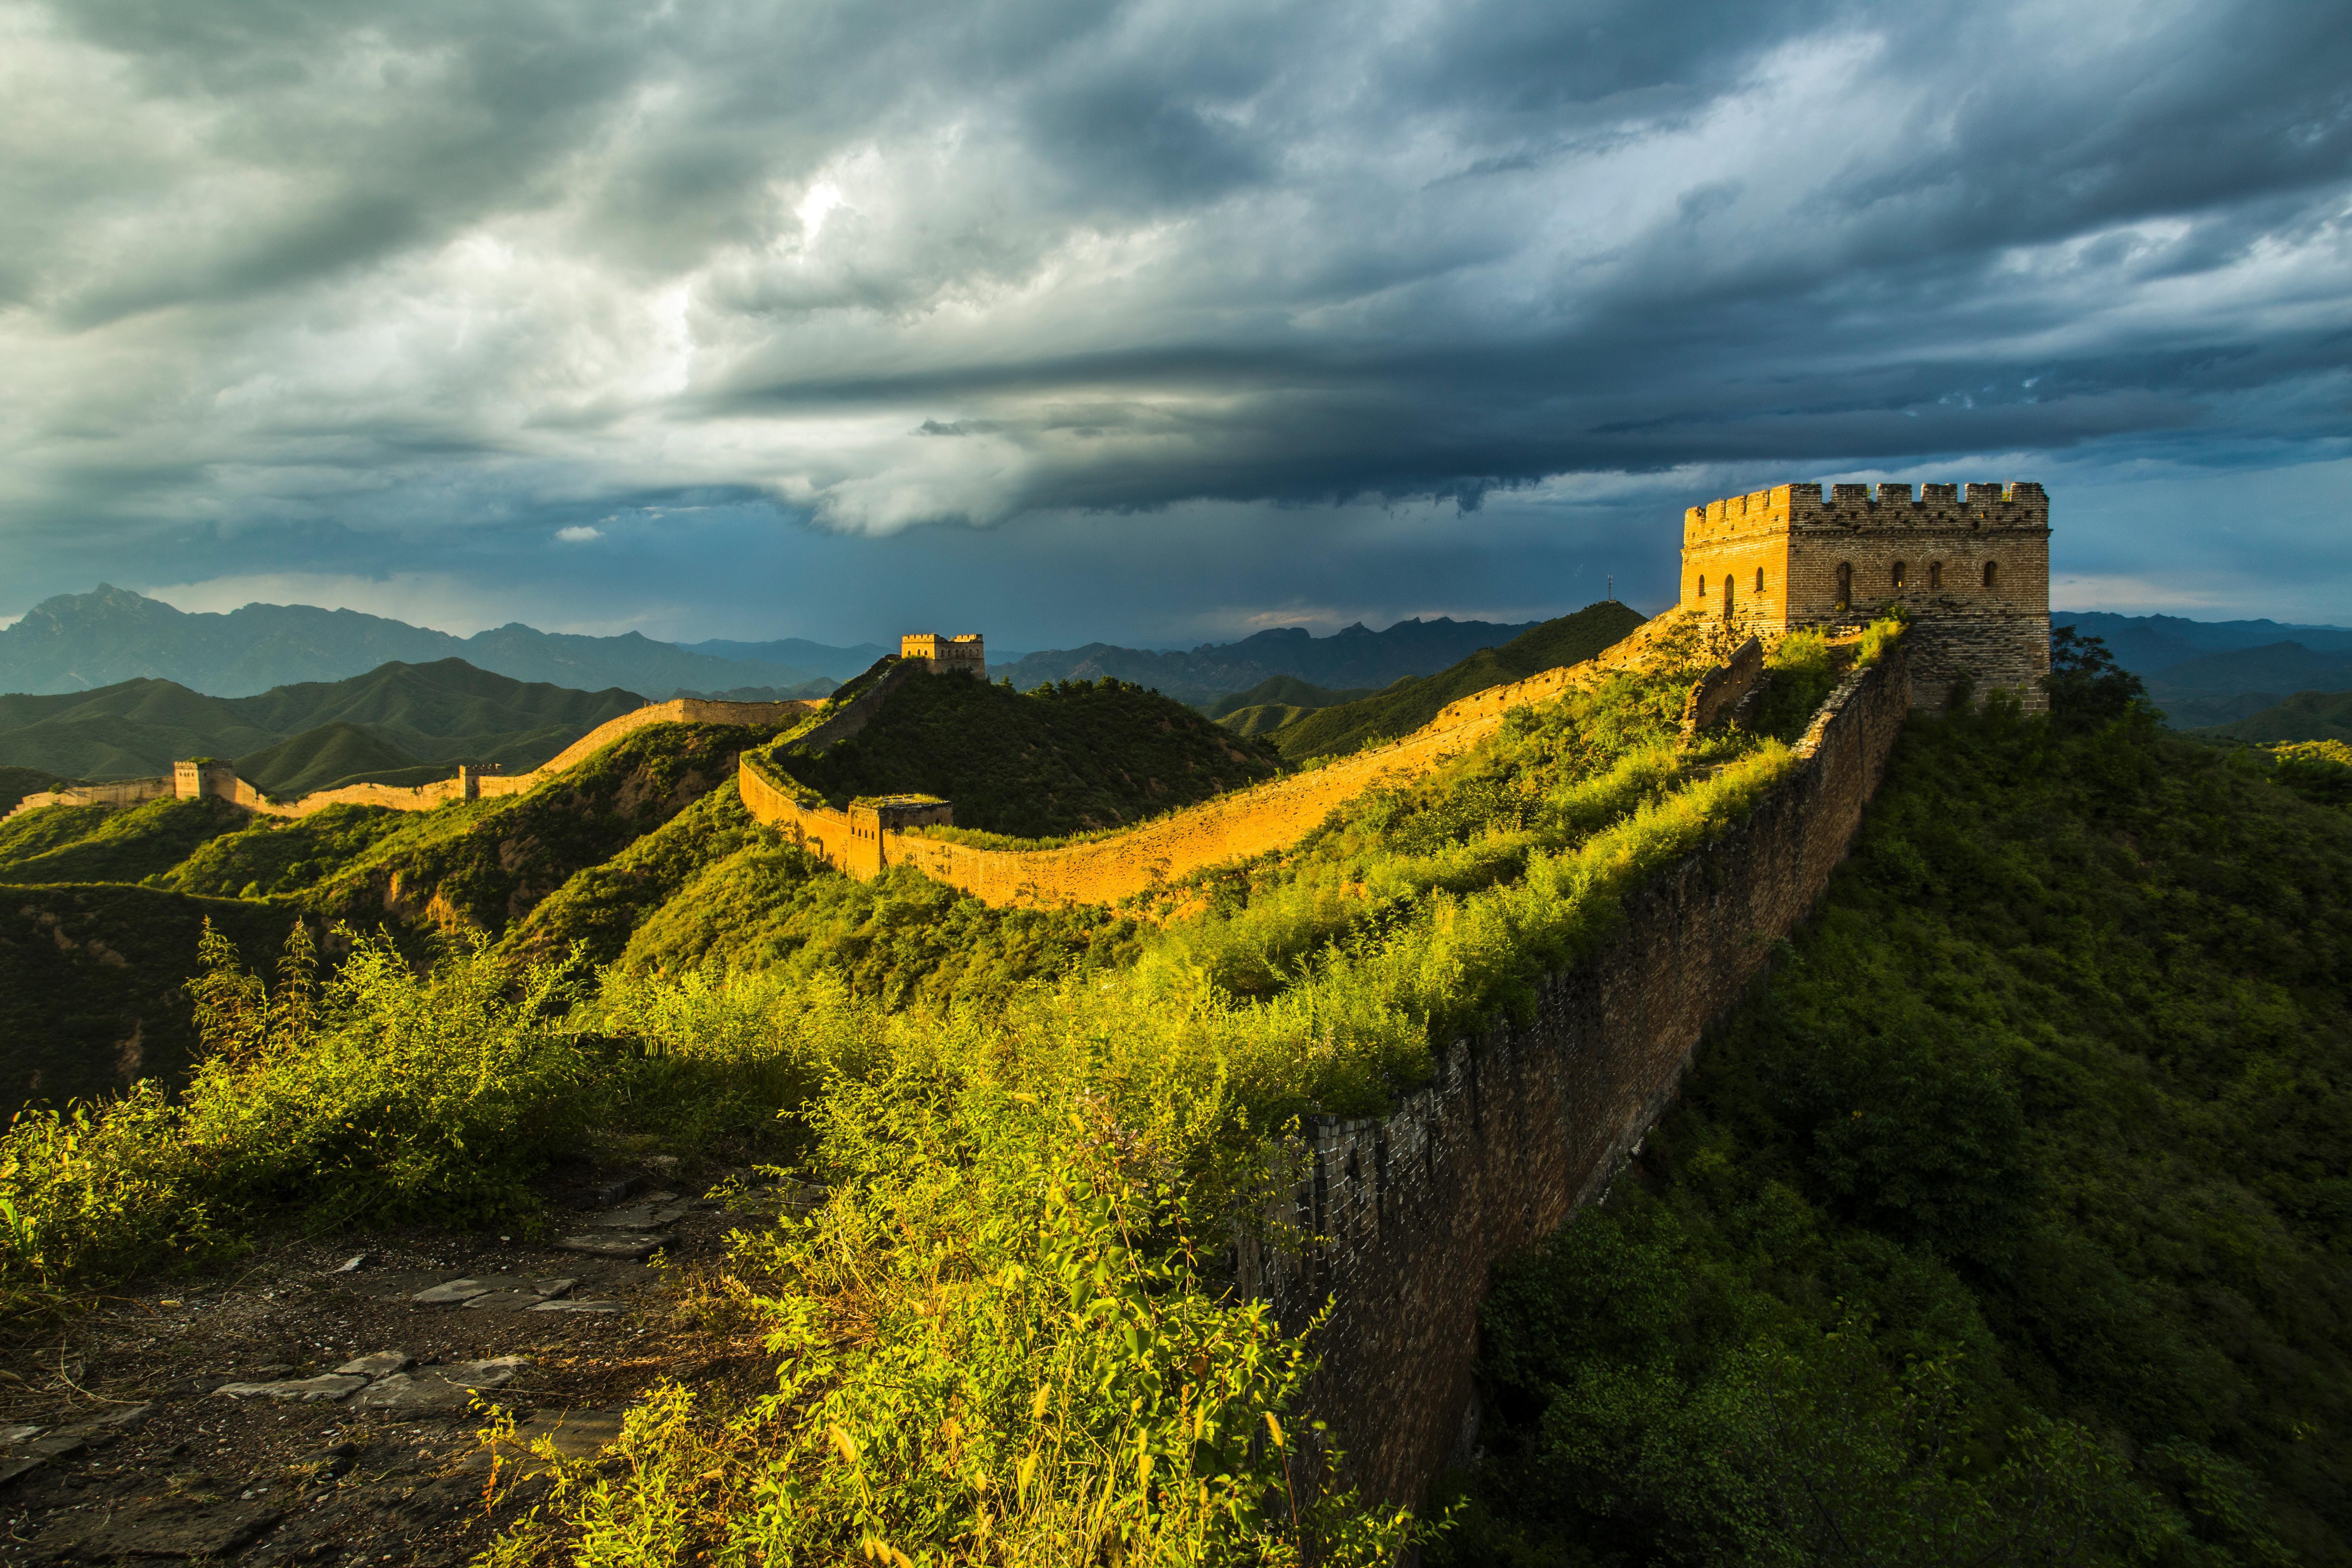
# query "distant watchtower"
(946, 656)
(1974, 574)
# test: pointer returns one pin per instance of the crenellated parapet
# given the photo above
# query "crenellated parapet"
(2020, 504)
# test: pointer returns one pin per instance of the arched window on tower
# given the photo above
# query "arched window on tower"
(1727, 595)
(1845, 585)
(1934, 575)
(1991, 573)
(1759, 579)
(1899, 575)
(1702, 587)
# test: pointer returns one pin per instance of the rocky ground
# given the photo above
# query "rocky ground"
(324, 1402)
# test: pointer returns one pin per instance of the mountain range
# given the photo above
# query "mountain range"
(81, 642)
(398, 718)
(1354, 657)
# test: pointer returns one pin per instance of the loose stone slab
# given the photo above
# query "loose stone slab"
(11, 1436)
(647, 1215)
(325, 1388)
(503, 1301)
(577, 1306)
(629, 1247)
(454, 1293)
(450, 1387)
(176, 1527)
(548, 1288)
(380, 1365)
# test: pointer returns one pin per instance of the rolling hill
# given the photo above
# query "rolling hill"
(1355, 657)
(292, 738)
(1285, 692)
(83, 642)
(2305, 716)
(2151, 645)
(1409, 704)
(1066, 758)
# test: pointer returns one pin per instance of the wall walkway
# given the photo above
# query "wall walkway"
(1233, 826)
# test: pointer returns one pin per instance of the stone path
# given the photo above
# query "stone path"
(323, 1407)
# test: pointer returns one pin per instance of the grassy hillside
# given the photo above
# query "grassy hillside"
(94, 844)
(267, 856)
(91, 983)
(1060, 759)
(2012, 1222)
(322, 758)
(2305, 716)
(1409, 704)
(416, 712)
(483, 865)
(1288, 691)
(16, 783)
(602, 906)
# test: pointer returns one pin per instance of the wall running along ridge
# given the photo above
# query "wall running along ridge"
(1269, 815)
(1520, 1126)
(219, 779)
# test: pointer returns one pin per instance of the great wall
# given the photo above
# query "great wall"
(219, 780)
(1405, 1217)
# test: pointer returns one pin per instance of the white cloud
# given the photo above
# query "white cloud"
(579, 534)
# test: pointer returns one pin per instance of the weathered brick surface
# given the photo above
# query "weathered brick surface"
(1928, 553)
(1520, 1126)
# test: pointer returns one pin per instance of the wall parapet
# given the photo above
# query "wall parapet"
(1521, 1125)
(1269, 816)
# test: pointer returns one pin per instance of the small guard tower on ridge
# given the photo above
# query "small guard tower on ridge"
(962, 654)
(1973, 572)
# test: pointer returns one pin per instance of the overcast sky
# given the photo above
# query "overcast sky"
(1151, 322)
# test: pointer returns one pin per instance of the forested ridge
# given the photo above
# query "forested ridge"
(2011, 1222)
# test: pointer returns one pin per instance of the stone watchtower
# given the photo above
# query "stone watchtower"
(962, 654)
(1974, 574)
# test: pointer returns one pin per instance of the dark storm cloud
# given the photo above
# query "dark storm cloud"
(390, 277)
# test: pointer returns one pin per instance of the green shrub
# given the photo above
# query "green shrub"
(995, 1347)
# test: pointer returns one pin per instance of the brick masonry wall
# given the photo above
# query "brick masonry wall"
(485, 786)
(1519, 1127)
(1233, 826)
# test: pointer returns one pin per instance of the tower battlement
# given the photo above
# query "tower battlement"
(1969, 564)
(963, 654)
(2018, 504)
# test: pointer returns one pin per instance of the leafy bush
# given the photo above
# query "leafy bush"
(378, 1094)
(995, 1347)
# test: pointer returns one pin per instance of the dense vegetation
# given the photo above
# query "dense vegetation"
(1063, 757)
(91, 983)
(479, 866)
(96, 844)
(2011, 1224)
(1406, 706)
(272, 856)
